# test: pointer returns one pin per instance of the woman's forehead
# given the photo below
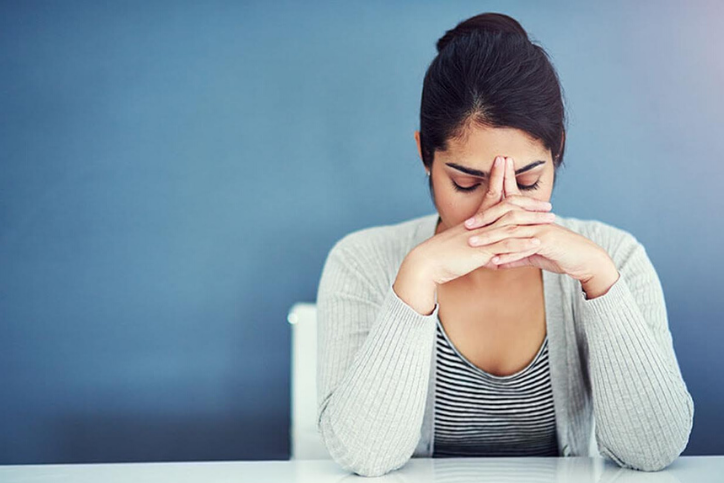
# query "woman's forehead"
(480, 147)
(476, 139)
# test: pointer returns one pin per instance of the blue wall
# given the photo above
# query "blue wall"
(172, 176)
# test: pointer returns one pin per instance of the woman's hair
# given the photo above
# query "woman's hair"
(488, 73)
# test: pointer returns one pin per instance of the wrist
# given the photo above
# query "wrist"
(414, 286)
(602, 277)
(417, 264)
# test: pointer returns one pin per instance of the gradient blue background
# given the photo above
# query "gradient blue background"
(173, 175)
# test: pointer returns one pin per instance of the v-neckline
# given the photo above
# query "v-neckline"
(557, 350)
(506, 379)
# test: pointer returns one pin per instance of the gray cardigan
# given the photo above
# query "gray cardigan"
(617, 385)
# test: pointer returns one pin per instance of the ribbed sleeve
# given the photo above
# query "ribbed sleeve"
(373, 366)
(643, 410)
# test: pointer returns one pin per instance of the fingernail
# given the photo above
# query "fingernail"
(470, 222)
(497, 161)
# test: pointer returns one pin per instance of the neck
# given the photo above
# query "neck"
(485, 277)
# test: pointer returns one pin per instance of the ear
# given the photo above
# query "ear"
(419, 146)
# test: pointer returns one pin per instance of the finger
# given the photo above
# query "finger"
(496, 234)
(495, 184)
(511, 245)
(525, 261)
(520, 217)
(528, 203)
(510, 184)
(495, 188)
(490, 265)
(513, 260)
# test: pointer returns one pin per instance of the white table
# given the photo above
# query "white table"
(698, 469)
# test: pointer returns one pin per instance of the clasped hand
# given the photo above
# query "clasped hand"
(511, 230)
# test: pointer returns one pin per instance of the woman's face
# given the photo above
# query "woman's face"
(476, 154)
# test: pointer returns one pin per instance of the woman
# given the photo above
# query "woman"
(457, 334)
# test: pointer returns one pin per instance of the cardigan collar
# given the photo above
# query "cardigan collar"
(557, 346)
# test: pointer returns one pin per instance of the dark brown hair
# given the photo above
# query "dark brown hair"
(488, 72)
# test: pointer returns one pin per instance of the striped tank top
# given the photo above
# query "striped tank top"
(480, 414)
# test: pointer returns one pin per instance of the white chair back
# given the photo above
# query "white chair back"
(306, 442)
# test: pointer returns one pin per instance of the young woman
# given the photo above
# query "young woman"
(493, 327)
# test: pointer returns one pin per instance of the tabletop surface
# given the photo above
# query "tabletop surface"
(699, 469)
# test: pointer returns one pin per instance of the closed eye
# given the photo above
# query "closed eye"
(468, 189)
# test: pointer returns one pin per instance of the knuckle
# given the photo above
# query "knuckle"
(509, 216)
(518, 216)
(545, 215)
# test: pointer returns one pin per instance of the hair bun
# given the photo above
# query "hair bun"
(485, 22)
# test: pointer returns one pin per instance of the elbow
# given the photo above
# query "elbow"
(640, 461)
(674, 443)
(373, 467)
(370, 460)
(653, 457)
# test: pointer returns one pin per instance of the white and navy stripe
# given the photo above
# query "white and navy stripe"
(480, 414)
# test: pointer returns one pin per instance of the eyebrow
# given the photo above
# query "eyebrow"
(485, 174)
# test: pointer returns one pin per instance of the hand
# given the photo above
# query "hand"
(561, 250)
(505, 206)
(448, 255)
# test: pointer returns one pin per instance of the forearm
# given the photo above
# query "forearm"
(370, 420)
(643, 410)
